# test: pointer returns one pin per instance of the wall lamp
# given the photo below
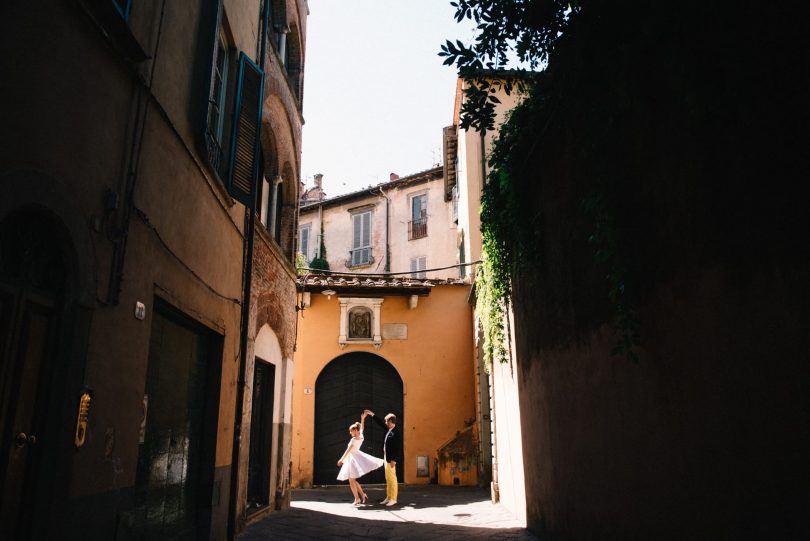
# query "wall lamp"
(329, 293)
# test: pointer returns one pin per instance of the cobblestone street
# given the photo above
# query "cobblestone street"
(423, 512)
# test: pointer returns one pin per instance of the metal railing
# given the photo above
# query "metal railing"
(360, 256)
(417, 229)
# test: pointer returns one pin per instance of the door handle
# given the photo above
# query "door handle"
(22, 438)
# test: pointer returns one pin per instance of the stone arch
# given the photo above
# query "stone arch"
(346, 386)
(38, 192)
(295, 61)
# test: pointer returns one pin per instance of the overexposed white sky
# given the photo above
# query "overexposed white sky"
(376, 95)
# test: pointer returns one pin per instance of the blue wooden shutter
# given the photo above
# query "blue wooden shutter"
(123, 7)
(247, 121)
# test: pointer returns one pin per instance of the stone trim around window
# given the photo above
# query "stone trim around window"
(373, 306)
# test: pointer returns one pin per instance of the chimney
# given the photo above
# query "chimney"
(393, 176)
(319, 181)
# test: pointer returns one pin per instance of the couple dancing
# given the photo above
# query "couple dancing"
(355, 463)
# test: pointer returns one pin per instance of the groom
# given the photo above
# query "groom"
(390, 455)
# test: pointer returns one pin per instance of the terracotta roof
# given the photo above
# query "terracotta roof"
(377, 284)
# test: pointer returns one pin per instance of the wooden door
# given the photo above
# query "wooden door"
(346, 386)
(176, 459)
(261, 436)
(31, 285)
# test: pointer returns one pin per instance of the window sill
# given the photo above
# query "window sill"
(376, 342)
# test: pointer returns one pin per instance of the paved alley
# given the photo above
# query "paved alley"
(423, 512)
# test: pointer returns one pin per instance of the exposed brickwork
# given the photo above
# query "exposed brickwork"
(273, 294)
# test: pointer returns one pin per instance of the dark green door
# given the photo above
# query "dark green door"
(346, 386)
(261, 435)
(176, 458)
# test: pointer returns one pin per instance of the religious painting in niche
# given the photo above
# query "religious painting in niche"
(360, 323)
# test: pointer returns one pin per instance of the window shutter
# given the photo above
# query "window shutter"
(357, 231)
(247, 121)
(305, 242)
(414, 266)
(123, 6)
(366, 229)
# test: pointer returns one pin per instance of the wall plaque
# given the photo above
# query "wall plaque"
(395, 331)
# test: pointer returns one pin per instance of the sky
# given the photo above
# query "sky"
(376, 95)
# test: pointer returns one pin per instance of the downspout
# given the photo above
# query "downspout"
(495, 489)
(250, 226)
(387, 228)
(320, 229)
(121, 236)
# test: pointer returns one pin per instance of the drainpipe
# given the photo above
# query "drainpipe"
(320, 229)
(387, 228)
(494, 488)
(250, 227)
(121, 236)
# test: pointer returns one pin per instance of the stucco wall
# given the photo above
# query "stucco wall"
(435, 364)
(439, 246)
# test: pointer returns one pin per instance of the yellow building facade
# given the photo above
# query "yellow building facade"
(421, 371)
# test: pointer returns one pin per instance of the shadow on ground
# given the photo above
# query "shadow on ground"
(424, 512)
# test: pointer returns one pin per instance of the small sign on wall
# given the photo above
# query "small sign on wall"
(395, 331)
(422, 466)
(140, 310)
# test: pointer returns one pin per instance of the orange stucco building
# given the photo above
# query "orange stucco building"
(422, 372)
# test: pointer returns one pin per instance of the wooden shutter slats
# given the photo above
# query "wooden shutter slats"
(243, 170)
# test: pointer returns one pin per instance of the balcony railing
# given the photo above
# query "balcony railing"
(417, 229)
(360, 256)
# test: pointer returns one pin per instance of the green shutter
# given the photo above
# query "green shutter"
(247, 121)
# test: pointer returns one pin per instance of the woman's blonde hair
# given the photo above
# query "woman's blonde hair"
(354, 426)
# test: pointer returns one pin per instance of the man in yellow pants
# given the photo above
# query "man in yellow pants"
(390, 455)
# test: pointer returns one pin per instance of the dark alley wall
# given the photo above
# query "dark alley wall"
(699, 167)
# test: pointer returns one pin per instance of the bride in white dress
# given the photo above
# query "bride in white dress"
(355, 463)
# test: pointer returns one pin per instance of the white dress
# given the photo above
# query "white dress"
(358, 463)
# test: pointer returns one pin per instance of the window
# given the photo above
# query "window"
(232, 120)
(216, 110)
(417, 227)
(418, 266)
(303, 240)
(264, 201)
(361, 239)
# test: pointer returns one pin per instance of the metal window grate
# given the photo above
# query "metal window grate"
(417, 229)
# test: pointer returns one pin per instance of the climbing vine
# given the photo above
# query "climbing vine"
(511, 223)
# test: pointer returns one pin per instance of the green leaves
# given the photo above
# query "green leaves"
(526, 30)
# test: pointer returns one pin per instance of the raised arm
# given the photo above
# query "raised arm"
(374, 417)
(363, 422)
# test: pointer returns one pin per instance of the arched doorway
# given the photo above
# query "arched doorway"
(34, 272)
(345, 387)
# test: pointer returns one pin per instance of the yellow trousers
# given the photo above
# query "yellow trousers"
(391, 486)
